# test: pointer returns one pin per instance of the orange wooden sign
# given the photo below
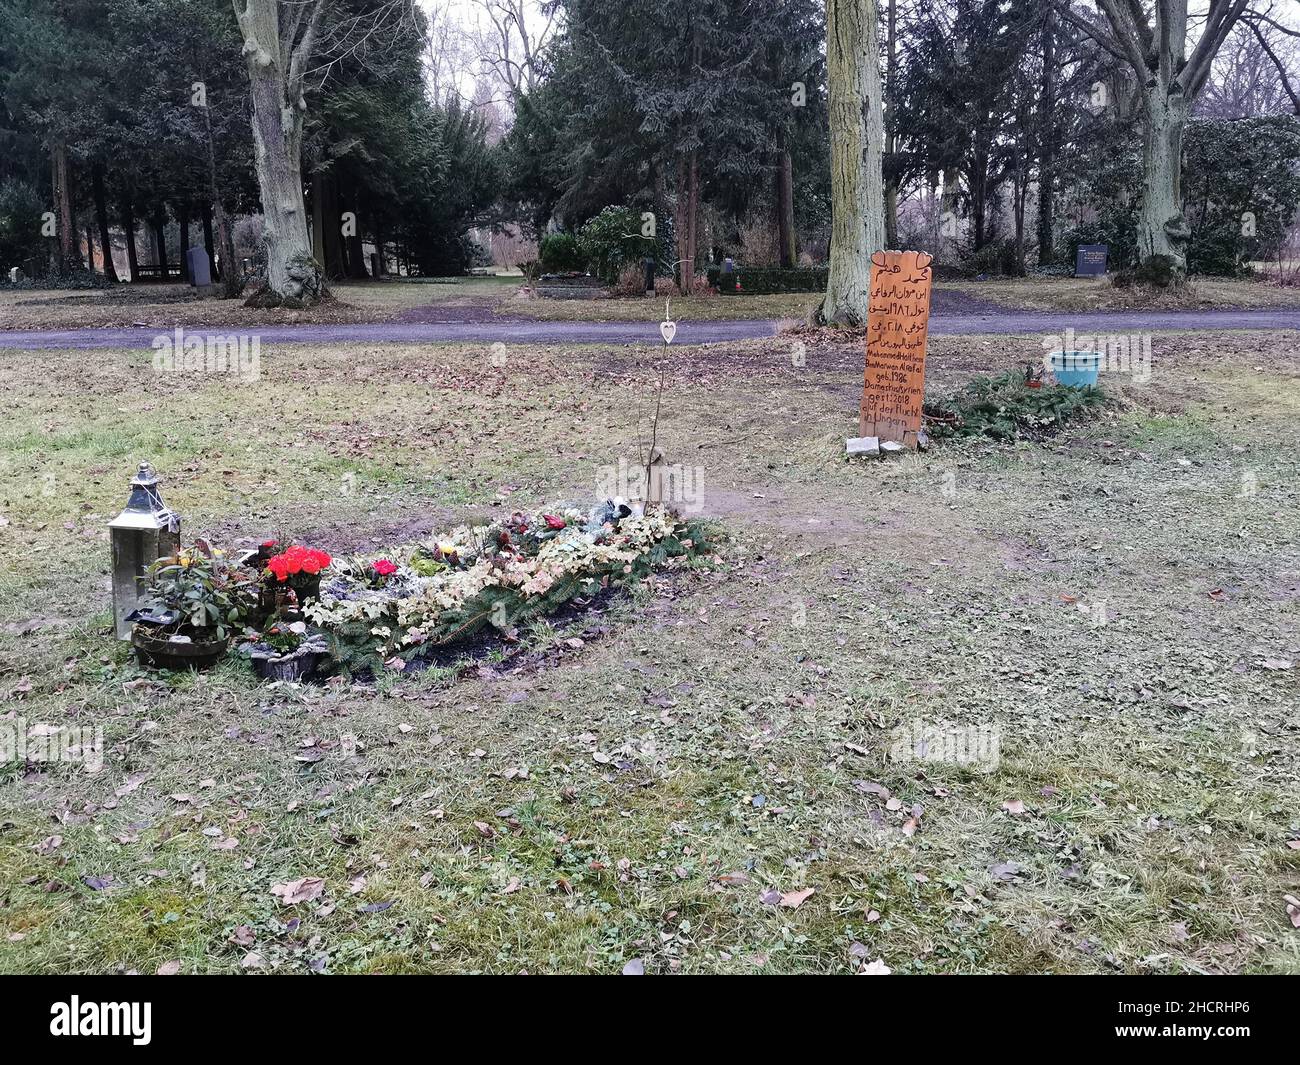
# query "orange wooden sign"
(897, 319)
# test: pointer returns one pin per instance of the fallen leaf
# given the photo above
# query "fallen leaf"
(1015, 807)
(1293, 909)
(307, 889)
(636, 967)
(794, 899)
(130, 784)
(48, 845)
(169, 968)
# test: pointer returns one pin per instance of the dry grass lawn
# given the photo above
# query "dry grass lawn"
(1120, 604)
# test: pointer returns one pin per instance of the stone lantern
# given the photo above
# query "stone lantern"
(144, 532)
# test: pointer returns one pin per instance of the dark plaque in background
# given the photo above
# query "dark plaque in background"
(1090, 261)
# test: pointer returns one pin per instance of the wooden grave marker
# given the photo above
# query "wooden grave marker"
(897, 321)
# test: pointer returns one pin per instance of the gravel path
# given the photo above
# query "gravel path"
(519, 331)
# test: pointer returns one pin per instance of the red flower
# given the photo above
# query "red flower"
(552, 522)
(383, 567)
(297, 559)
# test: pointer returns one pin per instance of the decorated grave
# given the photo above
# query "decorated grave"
(297, 612)
(894, 414)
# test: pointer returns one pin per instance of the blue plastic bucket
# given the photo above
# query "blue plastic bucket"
(1077, 369)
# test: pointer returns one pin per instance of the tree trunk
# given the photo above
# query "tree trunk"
(331, 221)
(788, 249)
(90, 248)
(101, 217)
(274, 77)
(160, 242)
(318, 218)
(1047, 144)
(205, 214)
(183, 218)
(978, 200)
(687, 208)
(355, 250)
(232, 280)
(62, 205)
(857, 140)
(891, 134)
(128, 227)
(1162, 229)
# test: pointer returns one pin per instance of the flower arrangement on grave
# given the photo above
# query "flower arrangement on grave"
(195, 600)
(295, 567)
(284, 649)
(500, 574)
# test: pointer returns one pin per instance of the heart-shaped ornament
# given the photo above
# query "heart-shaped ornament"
(668, 330)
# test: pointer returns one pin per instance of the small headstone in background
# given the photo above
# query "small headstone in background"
(1090, 260)
(15, 275)
(727, 276)
(199, 266)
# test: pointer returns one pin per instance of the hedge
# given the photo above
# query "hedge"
(759, 280)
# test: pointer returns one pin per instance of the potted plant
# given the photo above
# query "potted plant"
(193, 603)
(295, 569)
(285, 650)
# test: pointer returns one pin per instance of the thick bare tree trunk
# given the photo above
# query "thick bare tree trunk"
(62, 205)
(1162, 229)
(1170, 82)
(857, 140)
(275, 72)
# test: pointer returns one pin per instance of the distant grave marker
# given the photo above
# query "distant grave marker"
(199, 266)
(1090, 260)
(898, 318)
